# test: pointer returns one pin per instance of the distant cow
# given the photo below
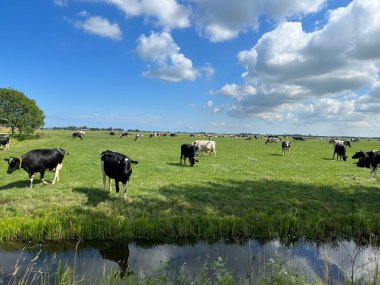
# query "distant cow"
(188, 151)
(112, 133)
(173, 135)
(340, 150)
(272, 140)
(38, 160)
(299, 138)
(369, 159)
(137, 136)
(341, 142)
(116, 166)
(78, 135)
(124, 134)
(205, 146)
(285, 147)
(4, 141)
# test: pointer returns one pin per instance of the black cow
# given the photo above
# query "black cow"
(78, 135)
(4, 141)
(285, 147)
(340, 150)
(38, 160)
(188, 151)
(369, 159)
(124, 134)
(112, 133)
(173, 135)
(116, 166)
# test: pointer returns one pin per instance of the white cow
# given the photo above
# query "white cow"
(205, 146)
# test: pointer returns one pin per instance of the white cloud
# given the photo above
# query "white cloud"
(224, 19)
(99, 26)
(168, 63)
(61, 3)
(302, 76)
(166, 13)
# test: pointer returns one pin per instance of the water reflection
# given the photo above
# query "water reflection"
(329, 263)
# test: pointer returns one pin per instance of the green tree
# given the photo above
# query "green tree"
(19, 112)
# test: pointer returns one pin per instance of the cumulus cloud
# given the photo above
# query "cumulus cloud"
(297, 75)
(224, 19)
(61, 3)
(168, 64)
(165, 13)
(98, 26)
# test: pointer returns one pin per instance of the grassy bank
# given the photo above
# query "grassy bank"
(248, 190)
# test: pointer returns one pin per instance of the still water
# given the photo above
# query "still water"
(329, 263)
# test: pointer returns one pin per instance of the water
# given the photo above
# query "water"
(329, 263)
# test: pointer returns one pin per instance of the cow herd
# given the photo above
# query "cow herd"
(118, 166)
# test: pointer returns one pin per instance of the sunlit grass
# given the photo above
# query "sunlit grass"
(248, 190)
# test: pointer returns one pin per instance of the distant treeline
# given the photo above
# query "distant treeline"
(85, 128)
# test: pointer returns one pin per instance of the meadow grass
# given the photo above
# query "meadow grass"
(248, 190)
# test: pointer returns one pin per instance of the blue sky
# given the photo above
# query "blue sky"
(259, 66)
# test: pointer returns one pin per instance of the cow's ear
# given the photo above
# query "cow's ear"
(6, 159)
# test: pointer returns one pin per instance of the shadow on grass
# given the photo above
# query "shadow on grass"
(177, 164)
(94, 195)
(276, 154)
(17, 184)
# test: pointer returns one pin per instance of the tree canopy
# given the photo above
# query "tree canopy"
(19, 112)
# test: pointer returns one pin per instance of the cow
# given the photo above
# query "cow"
(299, 138)
(38, 160)
(78, 135)
(137, 136)
(340, 150)
(188, 151)
(205, 146)
(272, 140)
(4, 141)
(285, 147)
(124, 134)
(341, 142)
(112, 133)
(173, 135)
(153, 135)
(369, 159)
(116, 166)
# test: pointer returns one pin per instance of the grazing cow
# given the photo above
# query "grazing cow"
(124, 134)
(78, 135)
(340, 150)
(205, 146)
(112, 133)
(116, 166)
(38, 160)
(272, 140)
(369, 159)
(285, 147)
(188, 151)
(173, 135)
(153, 135)
(137, 136)
(4, 141)
(299, 138)
(355, 140)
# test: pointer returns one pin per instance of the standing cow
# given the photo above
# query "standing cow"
(285, 147)
(38, 160)
(116, 166)
(369, 159)
(188, 151)
(4, 141)
(340, 151)
(80, 135)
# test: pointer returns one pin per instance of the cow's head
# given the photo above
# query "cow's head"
(344, 157)
(14, 163)
(359, 154)
(193, 160)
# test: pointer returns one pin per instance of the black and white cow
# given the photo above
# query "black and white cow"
(80, 135)
(4, 141)
(341, 142)
(38, 160)
(340, 151)
(188, 151)
(285, 147)
(116, 166)
(369, 159)
(124, 134)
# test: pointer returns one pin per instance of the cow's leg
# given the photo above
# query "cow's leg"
(56, 173)
(42, 173)
(104, 176)
(125, 190)
(373, 170)
(31, 177)
(180, 159)
(117, 188)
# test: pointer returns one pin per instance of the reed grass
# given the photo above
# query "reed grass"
(248, 190)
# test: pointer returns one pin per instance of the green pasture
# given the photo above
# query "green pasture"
(248, 190)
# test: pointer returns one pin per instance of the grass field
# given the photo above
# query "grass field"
(248, 190)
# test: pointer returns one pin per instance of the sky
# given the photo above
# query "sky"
(223, 66)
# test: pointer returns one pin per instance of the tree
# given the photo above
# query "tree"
(19, 112)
